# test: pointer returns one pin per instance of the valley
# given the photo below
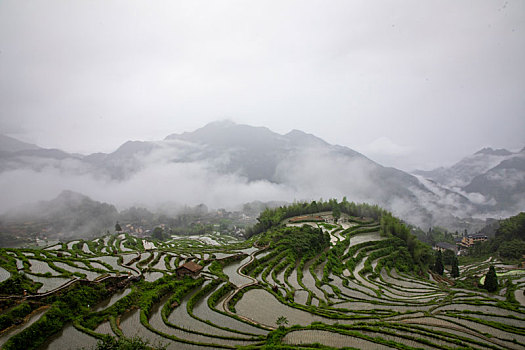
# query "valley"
(353, 277)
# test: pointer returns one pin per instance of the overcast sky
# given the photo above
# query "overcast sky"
(411, 84)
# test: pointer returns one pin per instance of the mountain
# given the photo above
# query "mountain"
(493, 179)
(464, 171)
(225, 164)
(70, 214)
(9, 144)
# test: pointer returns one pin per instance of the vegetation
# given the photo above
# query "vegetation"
(454, 272)
(123, 343)
(508, 242)
(491, 280)
(438, 264)
(361, 280)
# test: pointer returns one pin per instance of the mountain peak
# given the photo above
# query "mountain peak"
(494, 152)
(301, 137)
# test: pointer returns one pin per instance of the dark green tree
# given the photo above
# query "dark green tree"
(455, 268)
(158, 233)
(448, 257)
(117, 227)
(491, 280)
(438, 264)
(336, 212)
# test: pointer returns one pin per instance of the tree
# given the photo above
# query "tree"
(336, 212)
(158, 233)
(491, 280)
(448, 257)
(455, 268)
(281, 321)
(117, 227)
(438, 264)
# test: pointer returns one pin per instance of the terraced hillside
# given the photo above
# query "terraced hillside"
(307, 280)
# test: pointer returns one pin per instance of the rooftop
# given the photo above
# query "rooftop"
(192, 266)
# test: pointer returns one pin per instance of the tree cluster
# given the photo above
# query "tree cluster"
(301, 240)
(508, 242)
(273, 217)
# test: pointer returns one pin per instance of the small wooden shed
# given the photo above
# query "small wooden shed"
(189, 268)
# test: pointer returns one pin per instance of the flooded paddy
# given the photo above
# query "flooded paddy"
(157, 323)
(309, 281)
(394, 298)
(131, 326)
(42, 267)
(292, 280)
(336, 340)
(153, 276)
(180, 317)
(90, 275)
(111, 261)
(110, 301)
(4, 274)
(48, 283)
(160, 265)
(35, 316)
(70, 338)
(262, 307)
(365, 237)
(202, 311)
(231, 271)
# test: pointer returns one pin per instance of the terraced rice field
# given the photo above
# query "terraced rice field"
(244, 290)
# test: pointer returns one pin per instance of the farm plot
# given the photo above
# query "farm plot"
(348, 293)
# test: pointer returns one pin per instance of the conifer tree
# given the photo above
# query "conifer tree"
(491, 280)
(438, 265)
(455, 268)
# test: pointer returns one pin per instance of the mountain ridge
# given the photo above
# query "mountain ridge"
(247, 161)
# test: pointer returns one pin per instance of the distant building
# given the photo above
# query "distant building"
(188, 269)
(442, 246)
(470, 240)
(465, 242)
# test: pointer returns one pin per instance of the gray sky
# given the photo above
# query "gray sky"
(411, 84)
